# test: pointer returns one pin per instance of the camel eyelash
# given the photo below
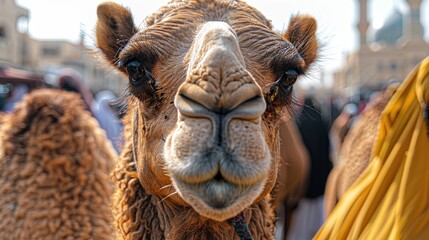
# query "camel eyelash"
(283, 86)
(122, 62)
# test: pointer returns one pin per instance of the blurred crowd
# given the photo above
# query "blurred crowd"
(103, 105)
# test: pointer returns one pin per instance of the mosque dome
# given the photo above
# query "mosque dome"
(391, 30)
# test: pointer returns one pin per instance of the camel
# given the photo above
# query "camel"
(209, 81)
(54, 170)
(356, 151)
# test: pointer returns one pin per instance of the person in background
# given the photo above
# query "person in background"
(106, 115)
(340, 129)
(310, 213)
(17, 93)
(70, 80)
(292, 176)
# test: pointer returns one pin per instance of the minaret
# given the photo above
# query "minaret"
(413, 28)
(363, 22)
(81, 35)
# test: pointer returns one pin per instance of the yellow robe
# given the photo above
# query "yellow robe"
(390, 200)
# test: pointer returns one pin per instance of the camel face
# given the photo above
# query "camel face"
(208, 82)
(216, 155)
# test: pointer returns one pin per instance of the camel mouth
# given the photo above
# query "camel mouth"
(218, 199)
(217, 180)
(218, 186)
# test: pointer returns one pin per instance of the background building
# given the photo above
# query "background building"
(391, 53)
(19, 50)
(13, 28)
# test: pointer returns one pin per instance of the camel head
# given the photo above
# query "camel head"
(208, 81)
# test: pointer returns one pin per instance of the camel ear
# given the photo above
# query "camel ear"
(115, 27)
(302, 34)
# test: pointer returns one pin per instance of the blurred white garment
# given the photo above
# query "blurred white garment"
(107, 118)
(308, 219)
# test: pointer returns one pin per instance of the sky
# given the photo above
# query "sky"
(64, 19)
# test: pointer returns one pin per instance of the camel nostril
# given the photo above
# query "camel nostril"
(248, 110)
(197, 98)
(191, 108)
(249, 92)
(218, 94)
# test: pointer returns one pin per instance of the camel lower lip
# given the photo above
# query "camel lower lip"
(218, 193)
(218, 199)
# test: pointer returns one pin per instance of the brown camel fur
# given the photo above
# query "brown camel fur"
(54, 171)
(294, 165)
(355, 152)
(208, 83)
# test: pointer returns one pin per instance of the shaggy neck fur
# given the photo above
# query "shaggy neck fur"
(140, 215)
(54, 167)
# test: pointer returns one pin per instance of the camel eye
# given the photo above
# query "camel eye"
(136, 72)
(289, 78)
(282, 88)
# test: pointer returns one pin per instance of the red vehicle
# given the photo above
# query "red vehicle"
(11, 79)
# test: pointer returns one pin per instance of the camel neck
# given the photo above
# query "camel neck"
(157, 219)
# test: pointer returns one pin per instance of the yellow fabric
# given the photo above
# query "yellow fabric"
(390, 200)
